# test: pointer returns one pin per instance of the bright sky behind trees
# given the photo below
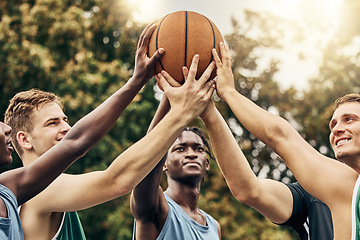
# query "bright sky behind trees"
(323, 14)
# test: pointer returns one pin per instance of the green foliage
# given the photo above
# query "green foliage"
(83, 50)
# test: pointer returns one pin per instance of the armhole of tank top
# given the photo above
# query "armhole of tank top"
(58, 231)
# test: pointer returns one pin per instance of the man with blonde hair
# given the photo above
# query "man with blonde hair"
(52, 213)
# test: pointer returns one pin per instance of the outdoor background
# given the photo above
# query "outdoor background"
(83, 50)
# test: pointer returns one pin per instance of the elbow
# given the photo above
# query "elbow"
(78, 147)
(276, 134)
(245, 195)
(247, 199)
(121, 186)
(122, 191)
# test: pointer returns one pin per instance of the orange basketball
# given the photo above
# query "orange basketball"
(183, 34)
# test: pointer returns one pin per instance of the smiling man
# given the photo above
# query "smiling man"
(336, 183)
(39, 123)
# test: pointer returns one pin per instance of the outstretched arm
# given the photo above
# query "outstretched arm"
(148, 204)
(89, 130)
(271, 198)
(319, 175)
(148, 191)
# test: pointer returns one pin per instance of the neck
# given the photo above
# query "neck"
(28, 157)
(353, 162)
(187, 196)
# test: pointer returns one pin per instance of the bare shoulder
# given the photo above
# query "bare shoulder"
(336, 187)
(151, 209)
(151, 221)
(12, 179)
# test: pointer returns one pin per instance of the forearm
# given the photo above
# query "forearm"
(139, 160)
(267, 127)
(270, 198)
(240, 178)
(84, 134)
(102, 119)
(162, 110)
(300, 157)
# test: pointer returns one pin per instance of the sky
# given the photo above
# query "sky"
(292, 70)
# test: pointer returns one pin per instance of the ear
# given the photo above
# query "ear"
(164, 167)
(207, 166)
(24, 140)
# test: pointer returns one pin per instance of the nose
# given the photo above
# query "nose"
(65, 127)
(190, 153)
(6, 128)
(337, 129)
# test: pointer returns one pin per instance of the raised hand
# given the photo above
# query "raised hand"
(192, 97)
(144, 66)
(225, 77)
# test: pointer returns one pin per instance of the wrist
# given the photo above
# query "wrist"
(210, 117)
(180, 117)
(135, 82)
(228, 94)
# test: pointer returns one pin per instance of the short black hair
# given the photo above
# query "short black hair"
(200, 133)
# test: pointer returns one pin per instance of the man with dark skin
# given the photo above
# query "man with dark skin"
(174, 213)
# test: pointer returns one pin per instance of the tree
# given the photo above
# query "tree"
(83, 51)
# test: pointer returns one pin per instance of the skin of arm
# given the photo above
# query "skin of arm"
(148, 203)
(326, 179)
(271, 198)
(85, 133)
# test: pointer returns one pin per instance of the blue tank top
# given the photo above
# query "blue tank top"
(10, 227)
(179, 226)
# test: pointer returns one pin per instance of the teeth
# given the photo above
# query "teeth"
(342, 141)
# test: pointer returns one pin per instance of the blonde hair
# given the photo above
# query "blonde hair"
(20, 111)
(351, 97)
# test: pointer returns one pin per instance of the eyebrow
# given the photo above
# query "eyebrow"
(55, 119)
(184, 144)
(343, 116)
(331, 122)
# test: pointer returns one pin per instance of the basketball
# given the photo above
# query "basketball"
(183, 34)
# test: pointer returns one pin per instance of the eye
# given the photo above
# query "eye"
(51, 123)
(332, 125)
(179, 149)
(200, 149)
(349, 119)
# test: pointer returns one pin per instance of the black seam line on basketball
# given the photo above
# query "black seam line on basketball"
(157, 38)
(186, 40)
(213, 31)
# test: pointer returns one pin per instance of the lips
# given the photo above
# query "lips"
(9, 146)
(191, 163)
(341, 141)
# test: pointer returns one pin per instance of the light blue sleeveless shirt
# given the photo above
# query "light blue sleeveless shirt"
(179, 226)
(10, 227)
